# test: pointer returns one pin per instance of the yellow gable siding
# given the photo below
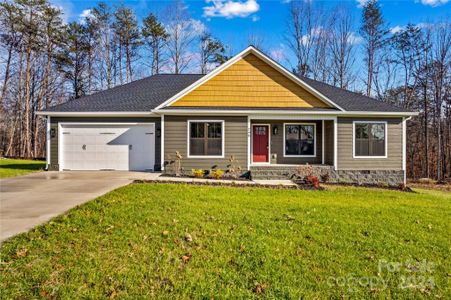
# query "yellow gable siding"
(250, 82)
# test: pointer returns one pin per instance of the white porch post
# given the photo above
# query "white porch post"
(47, 144)
(162, 143)
(248, 143)
(322, 142)
(404, 145)
(335, 144)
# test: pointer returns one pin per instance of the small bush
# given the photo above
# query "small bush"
(312, 180)
(325, 177)
(199, 173)
(218, 173)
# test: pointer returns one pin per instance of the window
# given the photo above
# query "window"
(300, 139)
(369, 139)
(205, 138)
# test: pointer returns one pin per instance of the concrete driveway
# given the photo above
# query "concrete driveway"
(27, 201)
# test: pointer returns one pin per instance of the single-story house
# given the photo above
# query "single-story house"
(269, 119)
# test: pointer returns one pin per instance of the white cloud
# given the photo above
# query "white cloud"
(434, 3)
(361, 3)
(310, 37)
(197, 26)
(396, 29)
(354, 39)
(230, 9)
(84, 14)
(277, 54)
(255, 18)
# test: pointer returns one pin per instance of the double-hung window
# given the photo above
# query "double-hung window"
(300, 139)
(370, 139)
(205, 138)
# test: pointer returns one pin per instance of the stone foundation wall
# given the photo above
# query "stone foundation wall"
(376, 177)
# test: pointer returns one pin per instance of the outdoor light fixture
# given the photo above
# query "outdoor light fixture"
(158, 132)
(275, 130)
(52, 133)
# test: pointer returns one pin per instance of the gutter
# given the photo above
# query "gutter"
(283, 112)
(97, 114)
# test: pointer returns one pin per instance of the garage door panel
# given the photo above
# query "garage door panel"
(108, 147)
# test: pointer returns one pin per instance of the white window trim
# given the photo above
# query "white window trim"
(385, 140)
(188, 123)
(269, 145)
(284, 139)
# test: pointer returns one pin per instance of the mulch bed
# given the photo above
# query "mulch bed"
(231, 183)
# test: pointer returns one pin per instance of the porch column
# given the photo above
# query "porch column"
(248, 143)
(162, 143)
(47, 149)
(404, 140)
(322, 142)
(335, 144)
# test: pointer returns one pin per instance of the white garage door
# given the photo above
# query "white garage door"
(107, 147)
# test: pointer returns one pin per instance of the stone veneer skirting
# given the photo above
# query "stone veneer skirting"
(376, 177)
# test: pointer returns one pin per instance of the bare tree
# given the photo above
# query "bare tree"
(183, 32)
(307, 38)
(342, 40)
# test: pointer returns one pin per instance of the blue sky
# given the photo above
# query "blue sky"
(233, 21)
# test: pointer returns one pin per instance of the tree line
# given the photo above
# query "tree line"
(45, 61)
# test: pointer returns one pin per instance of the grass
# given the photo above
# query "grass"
(246, 243)
(17, 167)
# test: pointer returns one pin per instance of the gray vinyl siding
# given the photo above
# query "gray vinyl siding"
(329, 142)
(54, 141)
(278, 143)
(345, 144)
(235, 143)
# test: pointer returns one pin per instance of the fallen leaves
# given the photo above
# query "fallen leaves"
(21, 252)
(260, 288)
(188, 237)
(186, 258)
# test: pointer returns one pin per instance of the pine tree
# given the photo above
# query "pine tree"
(374, 34)
(211, 52)
(126, 29)
(155, 36)
(72, 59)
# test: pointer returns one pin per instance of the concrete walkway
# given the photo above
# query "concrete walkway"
(30, 200)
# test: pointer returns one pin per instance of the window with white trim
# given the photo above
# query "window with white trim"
(205, 138)
(300, 139)
(369, 139)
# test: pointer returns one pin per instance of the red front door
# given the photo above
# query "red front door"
(260, 143)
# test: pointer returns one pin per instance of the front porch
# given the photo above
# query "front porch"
(277, 147)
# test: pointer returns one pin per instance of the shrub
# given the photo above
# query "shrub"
(178, 164)
(218, 173)
(233, 168)
(199, 173)
(304, 171)
(325, 176)
(312, 180)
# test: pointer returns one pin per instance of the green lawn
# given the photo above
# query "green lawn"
(16, 167)
(132, 243)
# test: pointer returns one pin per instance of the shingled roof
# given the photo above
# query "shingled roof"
(146, 94)
(350, 101)
(138, 96)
